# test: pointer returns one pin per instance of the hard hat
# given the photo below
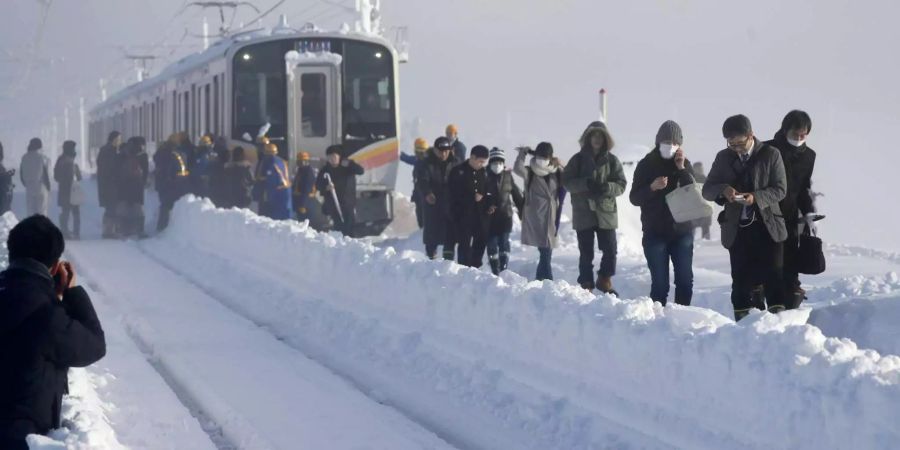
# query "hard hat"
(206, 140)
(271, 149)
(421, 145)
(262, 140)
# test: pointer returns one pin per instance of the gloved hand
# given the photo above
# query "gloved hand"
(810, 222)
(596, 187)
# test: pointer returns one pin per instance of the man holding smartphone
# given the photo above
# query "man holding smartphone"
(47, 325)
(749, 178)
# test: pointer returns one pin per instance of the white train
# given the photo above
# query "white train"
(314, 88)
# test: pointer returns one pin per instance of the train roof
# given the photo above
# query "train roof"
(229, 46)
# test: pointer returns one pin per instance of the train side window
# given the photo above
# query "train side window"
(314, 104)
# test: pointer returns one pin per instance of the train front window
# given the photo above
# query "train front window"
(368, 92)
(260, 89)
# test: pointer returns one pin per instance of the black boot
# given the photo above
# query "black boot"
(740, 314)
(495, 265)
(504, 261)
(758, 298)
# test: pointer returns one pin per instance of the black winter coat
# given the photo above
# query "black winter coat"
(65, 173)
(40, 339)
(432, 177)
(470, 218)
(506, 194)
(107, 167)
(239, 184)
(656, 218)
(344, 180)
(172, 174)
(134, 168)
(799, 163)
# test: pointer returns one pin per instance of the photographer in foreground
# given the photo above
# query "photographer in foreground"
(47, 325)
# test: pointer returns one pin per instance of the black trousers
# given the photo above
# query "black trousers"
(606, 243)
(756, 260)
(472, 244)
(791, 251)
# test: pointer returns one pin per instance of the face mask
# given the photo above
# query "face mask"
(795, 142)
(667, 150)
(542, 162)
(497, 167)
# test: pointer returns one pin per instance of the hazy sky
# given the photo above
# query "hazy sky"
(537, 66)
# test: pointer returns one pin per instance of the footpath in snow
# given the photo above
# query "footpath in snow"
(258, 391)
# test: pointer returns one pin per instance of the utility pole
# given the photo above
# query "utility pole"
(205, 33)
(142, 60)
(82, 126)
(66, 123)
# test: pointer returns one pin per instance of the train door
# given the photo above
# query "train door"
(314, 99)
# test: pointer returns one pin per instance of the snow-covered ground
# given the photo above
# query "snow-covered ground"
(269, 333)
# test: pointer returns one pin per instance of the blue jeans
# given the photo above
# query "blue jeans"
(659, 250)
(498, 249)
(544, 271)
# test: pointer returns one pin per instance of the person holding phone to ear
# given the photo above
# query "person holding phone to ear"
(47, 325)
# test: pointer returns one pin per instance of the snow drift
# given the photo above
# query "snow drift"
(547, 364)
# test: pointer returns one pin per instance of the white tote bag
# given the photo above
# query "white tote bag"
(76, 196)
(687, 203)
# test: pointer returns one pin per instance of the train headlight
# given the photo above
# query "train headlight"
(378, 55)
(247, 57)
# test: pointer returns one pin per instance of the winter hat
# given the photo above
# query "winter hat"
(35, 144)
(334, 150)
(497, 154)
(443, 143)
(480, 152)
(738, 125)
(69, 148)
(544, 150)
(670, 131)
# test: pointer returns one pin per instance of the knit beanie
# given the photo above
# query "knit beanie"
(670, 131)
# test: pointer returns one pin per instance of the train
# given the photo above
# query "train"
(309, 88)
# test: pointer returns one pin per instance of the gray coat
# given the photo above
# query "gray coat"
(33, 171)
(595, 210)
(769, 188)
(541, 209)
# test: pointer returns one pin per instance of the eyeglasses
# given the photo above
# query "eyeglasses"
(738, 144)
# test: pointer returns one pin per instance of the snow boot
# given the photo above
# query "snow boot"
(588, 286)
(504, 261)
(604, 284)
(495, 264)
(796, 298)
(758, 298)
(775, 309)
(741, 313)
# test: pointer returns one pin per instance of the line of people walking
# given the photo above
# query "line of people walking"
(465, 206)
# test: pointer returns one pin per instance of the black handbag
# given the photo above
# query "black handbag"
(810, 255)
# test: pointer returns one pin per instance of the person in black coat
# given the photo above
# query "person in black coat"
(342, 174)
(67, 175)
(432, 176)
(134, 168)
(505, 194)
(798, 206)
(107, 168)
(238, 180)
(7, 185)
(172, 175)
(659, 173)
(471, 206)
(218, 187)
(47, 325)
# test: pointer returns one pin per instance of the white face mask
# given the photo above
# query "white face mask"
(541, 162)
(497, 167)
(667, 150)
(795, 142)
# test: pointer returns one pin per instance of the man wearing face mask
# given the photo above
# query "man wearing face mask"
(595, 178)
(432, 177)
(471, 206)
(748, 178)
(502, 188)
(658, 174)
(798, 206)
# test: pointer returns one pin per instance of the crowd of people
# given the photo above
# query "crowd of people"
(465, 206)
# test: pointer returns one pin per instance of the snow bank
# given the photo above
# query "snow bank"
(7, 222)
(871, 323)
(546, 362)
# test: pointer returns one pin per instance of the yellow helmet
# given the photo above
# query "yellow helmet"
(206, 140)
(270, 149)
(452, 129)
(421, 145)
